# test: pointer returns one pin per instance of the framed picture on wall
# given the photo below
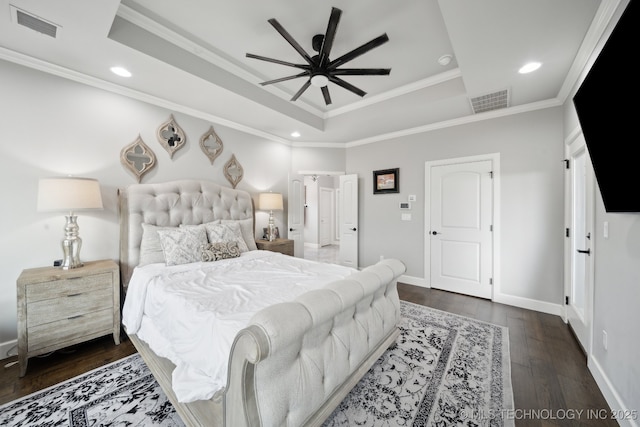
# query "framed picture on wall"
(265, 233)
(386, 181)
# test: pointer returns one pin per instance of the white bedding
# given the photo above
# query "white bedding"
(191, 313)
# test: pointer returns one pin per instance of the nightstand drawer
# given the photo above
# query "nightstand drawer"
(80, 302)
(58, 308)
(67, 287)
(70, 329)
(284, 246)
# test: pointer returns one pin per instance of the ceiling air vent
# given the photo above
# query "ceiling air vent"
(490, 101)
(35, 23)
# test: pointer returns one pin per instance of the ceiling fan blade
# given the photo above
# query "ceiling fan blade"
(325, 93)
(302, 89)
(277, 61)
(291, 40)
(358, 51)
(329, 36)
(361, 71)
(347, 86)
(283, 79)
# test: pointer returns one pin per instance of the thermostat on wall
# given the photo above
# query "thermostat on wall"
(405, 205)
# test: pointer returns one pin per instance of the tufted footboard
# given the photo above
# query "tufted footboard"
(297, 361)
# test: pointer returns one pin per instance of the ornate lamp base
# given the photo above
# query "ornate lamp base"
(71, 244)
(272, 228)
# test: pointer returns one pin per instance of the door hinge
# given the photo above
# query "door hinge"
(566, 163)
(491, 174)
(566, 232)
(491, 227)
(491, 280)
(566, 300)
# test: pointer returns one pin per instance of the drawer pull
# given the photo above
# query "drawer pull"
(75, 295)
(74, 317)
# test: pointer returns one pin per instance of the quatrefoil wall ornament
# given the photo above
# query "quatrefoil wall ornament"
(211, 144)
(233, 171)
(171, 136)
(138, 158)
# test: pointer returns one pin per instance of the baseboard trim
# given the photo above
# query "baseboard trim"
(411, 280)
(610, 394)
(529, 304)
(7, 347)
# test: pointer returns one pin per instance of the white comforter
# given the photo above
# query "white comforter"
(191, 313)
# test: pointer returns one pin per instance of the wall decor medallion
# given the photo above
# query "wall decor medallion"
(233, 171)
(171, 136)
(211, 144)
(138, 158)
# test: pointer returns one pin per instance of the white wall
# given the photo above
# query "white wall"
(531, 153)
(54, 127)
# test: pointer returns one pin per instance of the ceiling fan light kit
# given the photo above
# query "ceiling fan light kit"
(319, 69)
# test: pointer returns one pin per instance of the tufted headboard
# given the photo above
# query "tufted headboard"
(171, 204)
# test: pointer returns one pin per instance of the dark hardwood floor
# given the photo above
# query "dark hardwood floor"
(550, 379)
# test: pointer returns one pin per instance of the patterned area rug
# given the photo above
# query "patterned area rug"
(445, 370)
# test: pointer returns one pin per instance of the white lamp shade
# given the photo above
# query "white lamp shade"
(270, 201)
(68, 194)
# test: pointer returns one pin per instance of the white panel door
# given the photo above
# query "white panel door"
(580, 292)
(295, 217)
(460, 228)
(348, 254)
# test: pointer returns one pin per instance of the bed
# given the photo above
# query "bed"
(236, 336)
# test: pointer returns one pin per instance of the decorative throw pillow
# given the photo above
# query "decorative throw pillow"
(225, 233)
(220, 250)
(150, 247)
(247, 231)
(182, 245)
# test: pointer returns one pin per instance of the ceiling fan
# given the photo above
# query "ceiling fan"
(319, 68)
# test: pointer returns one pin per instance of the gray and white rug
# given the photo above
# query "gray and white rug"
(444, 370)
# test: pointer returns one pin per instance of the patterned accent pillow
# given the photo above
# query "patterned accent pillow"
(182, 245)
(225, 233)
(220, 250)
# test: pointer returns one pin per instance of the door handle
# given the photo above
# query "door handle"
(435, 232)
(291, 229)
(353, 229)
(587, 251)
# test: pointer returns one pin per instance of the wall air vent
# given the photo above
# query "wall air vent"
(490, 101)
(34, 22)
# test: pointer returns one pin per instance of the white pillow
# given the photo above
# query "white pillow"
(226, 233)
(182, 245)
(246, 229)
(150, 246)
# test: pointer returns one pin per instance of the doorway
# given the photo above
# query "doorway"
(461, 223)
(580, 192)
(329, 208)
(320, 211)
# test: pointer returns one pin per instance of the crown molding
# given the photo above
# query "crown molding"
(489, 115)
(47, 67)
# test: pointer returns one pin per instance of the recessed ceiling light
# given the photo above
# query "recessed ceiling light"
(295, 134)
(120, 71)
(445, 59)
(529, 67)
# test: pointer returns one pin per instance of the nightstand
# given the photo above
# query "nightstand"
(284, 246)
(58, 308)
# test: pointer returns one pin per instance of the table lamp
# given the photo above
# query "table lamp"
(69, 194)
(270, 202)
